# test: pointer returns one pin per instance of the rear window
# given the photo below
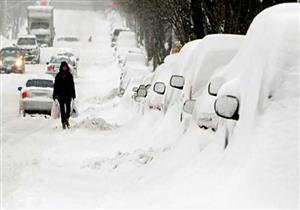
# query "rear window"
(40, 83)
(26, 41)
(59, 60)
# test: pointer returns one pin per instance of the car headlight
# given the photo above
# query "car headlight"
(1, 63)
(19, 62)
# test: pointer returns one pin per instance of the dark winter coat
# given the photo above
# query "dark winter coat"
(64, 87)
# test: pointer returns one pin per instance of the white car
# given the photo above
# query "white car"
(54, 64)
(133, 67)
(36, 95)
(126, 41)
(31, 48)
(67, 52)
(259, 110)
(213, 53)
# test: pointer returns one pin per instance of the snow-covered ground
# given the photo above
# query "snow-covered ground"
(113, 157)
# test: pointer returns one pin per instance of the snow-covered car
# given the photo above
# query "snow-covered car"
(12, 59)
(127, 52)
(133, 67)
(36, 94)
(155, 99)
(67, 52)
(115, 33)
(126, 41)
(31, 48)
(55, 62)
(212, 54)
(263, 100)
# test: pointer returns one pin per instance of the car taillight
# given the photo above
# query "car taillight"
(50, 68)
(24, 94)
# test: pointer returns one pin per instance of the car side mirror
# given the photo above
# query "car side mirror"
(189, 105)
(159, 88)
(135, 89)
(215, 85)
(227, 107)
(142, 92)
(177, 82)
(19, 88)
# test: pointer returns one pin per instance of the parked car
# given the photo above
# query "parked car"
(12, 59)
(214, 52)
(115, 33)
(55, 62)
(133, 67)
(127, 52)
(126, 40)
(36, 94)
(264, 95)
(31, 48)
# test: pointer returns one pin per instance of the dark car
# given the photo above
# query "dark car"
(12, 59)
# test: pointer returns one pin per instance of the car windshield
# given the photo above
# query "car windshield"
(59, 60)
(40, 83)
(39, 25)
(9, 52)
(26, 41)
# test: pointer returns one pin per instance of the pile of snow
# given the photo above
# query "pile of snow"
(95, 124)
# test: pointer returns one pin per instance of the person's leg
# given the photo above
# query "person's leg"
(68, 111)
(62, 112)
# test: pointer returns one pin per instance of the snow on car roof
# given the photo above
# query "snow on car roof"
(41, 76)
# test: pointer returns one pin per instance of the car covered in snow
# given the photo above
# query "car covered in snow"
(115, 33)
(211, 55)
(31, 48)
(67, 52)
(134, 66)
(12, 59)
(126, 41)
(55, 62)
(36, 94)
(264, 97)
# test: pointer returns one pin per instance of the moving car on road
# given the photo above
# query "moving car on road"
(31, 48)
(12, 59)
(36, 94)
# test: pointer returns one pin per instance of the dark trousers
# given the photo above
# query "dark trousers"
(65, 108)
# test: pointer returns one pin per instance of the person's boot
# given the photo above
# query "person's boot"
(67, 123)
(64, 125)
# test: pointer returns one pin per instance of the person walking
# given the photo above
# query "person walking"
(64, 92)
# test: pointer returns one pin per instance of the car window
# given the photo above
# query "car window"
(26, 41)
(39, 83)
(40, 25)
